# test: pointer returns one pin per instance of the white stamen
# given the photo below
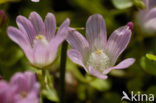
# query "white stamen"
(99, 60)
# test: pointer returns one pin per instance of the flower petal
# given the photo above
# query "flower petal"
(62, 31)
(26, 27)
(96, 31)
(97, 74)
(78, 42)
(150, 14)
(41, 55)
(118, 42)
(31, 79)
(150, 25)
(22, 40)
(76, 57)
(20, 81)
(122, 65)
(50, 26)
(18, 37)
(38, 23)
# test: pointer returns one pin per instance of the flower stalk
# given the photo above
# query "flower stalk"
(62, 71)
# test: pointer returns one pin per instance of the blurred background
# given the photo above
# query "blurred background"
(80, 87)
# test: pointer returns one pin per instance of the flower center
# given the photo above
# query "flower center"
(40, 38)
(23, 94)
(99, 60)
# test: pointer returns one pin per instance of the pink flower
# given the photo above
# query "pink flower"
(23, 88)
(97, 54)
(37, 38)
(146, 18)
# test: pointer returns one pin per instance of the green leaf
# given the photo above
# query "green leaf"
(51, 94)
(148, 65)
(122, 4)
(151, 57)
(100, 85)
(139, 3)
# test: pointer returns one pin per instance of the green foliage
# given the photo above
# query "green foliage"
(101, 85)
(122, 4)
(5, 1)
(51, 94)
(148, 65)
(151, 57)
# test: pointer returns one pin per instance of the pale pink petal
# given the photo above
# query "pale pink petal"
(31, 98)
(78, 42)
(150, 14)
(150, 25)
(62, 31)
(31, 79)
(41, 55)
(38, 23)
(97, 73)
(122, 65)
(50, 24)
(96, 31)
(18, 37)
(76, 57)
(26, 27)
(152, 3)
(118, 42)
(6, 92)
(20, 81)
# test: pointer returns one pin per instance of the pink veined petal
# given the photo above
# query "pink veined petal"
(96, 31)
(41, 55)
(96, 73)
(20, 81)
(118, 42)
(122, 65)
(31, 79)
(26, 27)
(152, 3)
(30, 98)
(78, 42)
(22, 40)
(64, 24)
(18, 37)
(36, 88)
(62, 31)
(50, 26)
(150, 14)
(6, 92)
(38, 23)
(150, 25)
(58, 39)
(76, 57)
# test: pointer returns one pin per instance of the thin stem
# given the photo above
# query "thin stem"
(62, 71)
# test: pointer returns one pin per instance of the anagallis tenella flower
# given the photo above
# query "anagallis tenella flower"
(97, 55)
(22, 88)
(146, 18)
(37, 38)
